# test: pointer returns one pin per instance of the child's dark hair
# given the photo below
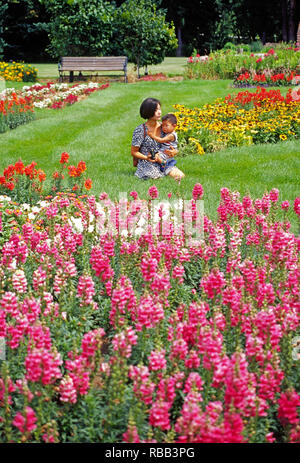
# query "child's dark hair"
(170, 117)
(148, 107)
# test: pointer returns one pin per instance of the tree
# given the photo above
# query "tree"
(288, 8)
(143, 33)
(80, 27)
(24, 25)
(3, 8)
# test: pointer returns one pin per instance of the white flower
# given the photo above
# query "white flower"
(43, 203)
(26, 207)
(77, 224)
(5, 198)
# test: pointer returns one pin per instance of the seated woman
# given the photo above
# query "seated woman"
(144, 149)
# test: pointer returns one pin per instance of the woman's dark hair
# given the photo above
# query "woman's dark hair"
(148, 107)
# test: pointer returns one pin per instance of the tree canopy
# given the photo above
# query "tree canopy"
(145, 29)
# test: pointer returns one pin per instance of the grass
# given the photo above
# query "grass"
(98, 130)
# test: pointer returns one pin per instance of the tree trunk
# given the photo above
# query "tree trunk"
(179, 48)
(284, 20)
(291, 21)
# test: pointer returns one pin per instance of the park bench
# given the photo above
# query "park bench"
(91, 63)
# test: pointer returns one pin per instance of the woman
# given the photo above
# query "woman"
(143, 146)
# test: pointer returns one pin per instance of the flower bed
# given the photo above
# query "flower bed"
(18, 72)
(265, 78)
(15, 110)
(112, 336)
(249, 117)
(154, 77)
(57, 96)
(226, 64)
(27, 183)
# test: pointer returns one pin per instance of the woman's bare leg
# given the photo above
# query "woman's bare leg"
(176, 173)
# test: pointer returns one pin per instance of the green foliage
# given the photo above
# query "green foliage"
(3, 8)
(143, 32)
(25, 30)
(80, 27)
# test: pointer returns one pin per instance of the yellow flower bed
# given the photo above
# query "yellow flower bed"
(260, 117)
(18, 72)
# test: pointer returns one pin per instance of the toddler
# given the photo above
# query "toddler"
(168, 139)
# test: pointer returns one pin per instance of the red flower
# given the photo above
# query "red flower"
(19, 167)
(64, 158)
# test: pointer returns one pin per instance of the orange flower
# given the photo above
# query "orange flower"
(73, 172)
(81, 166)
(88, 184)
(55, 175)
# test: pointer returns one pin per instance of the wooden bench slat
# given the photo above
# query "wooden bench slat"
(93, 63)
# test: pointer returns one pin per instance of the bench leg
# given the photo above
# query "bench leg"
(71, 78)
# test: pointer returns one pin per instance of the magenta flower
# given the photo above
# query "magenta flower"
(25, 422)
(153, 192)
(197, 191)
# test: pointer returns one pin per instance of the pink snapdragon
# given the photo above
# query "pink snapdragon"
(25, 422)
(123, 342)
(43, 365)
(159, 415)
(287, 410)
(157, 360)
(85, 290)
(67, 390)
(153, 192)
(197, 192)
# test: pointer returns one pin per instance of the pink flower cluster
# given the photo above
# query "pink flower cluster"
(195, 339)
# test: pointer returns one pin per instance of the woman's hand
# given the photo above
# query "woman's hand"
(171, 152)
(150, 159)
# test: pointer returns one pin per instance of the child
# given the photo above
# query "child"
(168, 139)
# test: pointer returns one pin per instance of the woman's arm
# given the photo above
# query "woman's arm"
(135, 153)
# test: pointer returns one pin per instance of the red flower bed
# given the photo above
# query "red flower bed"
(153, 77)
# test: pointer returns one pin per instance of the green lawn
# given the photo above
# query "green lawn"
(98, 130)
(170, 66)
